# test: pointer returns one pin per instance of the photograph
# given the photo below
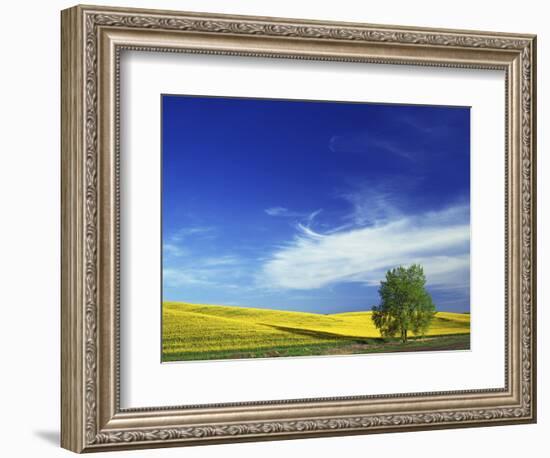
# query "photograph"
(313, 227)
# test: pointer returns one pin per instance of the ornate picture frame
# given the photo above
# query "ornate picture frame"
(92, 41)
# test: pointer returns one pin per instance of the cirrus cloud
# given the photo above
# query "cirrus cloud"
(437, 240)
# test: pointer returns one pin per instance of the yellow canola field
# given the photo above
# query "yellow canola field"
(198, 328)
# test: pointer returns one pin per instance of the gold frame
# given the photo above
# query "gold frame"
(92, 39)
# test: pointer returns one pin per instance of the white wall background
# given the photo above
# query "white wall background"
(29, 241)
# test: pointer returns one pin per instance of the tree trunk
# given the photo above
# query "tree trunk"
(404, 335)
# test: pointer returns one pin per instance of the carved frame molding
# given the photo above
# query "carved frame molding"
(92, 39)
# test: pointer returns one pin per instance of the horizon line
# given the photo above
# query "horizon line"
(285, 310)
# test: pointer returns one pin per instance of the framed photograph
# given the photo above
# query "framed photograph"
(278, 228)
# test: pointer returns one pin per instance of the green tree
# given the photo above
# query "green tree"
(405, 305)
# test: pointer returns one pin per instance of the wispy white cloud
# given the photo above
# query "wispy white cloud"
(227, 260)
(173, 249)
(286, 213)
(364, 142)
(371, 141)
(277, 211)
(174, 277)
(437, 240)
(371, 204)
(311, 216)
(208, 271)
(193, 231)
(175, 244)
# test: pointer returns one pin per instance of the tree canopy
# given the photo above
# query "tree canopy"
(405, 304)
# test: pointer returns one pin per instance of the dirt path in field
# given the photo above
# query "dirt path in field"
(392, 347)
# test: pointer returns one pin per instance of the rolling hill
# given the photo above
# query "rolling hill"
(199, 332)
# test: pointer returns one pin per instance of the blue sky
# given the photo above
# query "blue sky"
(304, 205)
